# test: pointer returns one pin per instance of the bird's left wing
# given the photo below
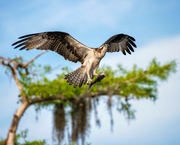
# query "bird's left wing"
(120, 42)
(60, 42)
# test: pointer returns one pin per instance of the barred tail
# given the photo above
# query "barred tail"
(77, 77)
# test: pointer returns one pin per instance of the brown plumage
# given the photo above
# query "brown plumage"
(73, 50)
(77, 77)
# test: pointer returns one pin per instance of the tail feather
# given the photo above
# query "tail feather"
(77, 77)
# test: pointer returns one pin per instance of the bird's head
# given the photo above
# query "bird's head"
(101, 51)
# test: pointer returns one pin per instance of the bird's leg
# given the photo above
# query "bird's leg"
(87, 65)
(89, 76)
(89, 79)
(95, 73)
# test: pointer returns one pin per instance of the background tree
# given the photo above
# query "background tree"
(37, 89)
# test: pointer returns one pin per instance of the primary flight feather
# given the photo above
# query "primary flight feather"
(73, 50)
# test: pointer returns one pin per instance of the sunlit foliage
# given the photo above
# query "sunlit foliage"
(77, 104)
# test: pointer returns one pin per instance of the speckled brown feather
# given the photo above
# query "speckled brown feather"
(77, 77)
(60, 42)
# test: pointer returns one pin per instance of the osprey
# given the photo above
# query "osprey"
(73, 50)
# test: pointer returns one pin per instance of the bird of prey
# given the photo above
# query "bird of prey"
(73, 50)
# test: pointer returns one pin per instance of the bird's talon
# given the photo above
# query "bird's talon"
(89, 81)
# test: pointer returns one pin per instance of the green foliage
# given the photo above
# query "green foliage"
(136, 83)
(22, 136)
(126, 109)
(161, 72)
(2, 141)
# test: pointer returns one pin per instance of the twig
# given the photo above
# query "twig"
(32, 60)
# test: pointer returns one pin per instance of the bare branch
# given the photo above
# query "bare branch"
(32, 60)
(13, 65)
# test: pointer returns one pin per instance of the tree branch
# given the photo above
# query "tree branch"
(32, 60)
(14, 65)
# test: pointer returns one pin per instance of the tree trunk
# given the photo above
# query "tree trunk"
(14, 125)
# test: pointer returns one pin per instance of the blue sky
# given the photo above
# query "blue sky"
(154, 24)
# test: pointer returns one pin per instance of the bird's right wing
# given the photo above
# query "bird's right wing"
(60, 42)
(120, 42)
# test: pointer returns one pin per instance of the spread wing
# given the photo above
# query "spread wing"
(120, 42)
(60, 42)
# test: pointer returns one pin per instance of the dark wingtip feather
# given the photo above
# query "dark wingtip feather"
(20, 42)
(130, 47)
(14, 43)
(24, 47)
(18, 45)
(29, 35)
(132, 43)
(132, 38)
(124, 52)
(128, 51)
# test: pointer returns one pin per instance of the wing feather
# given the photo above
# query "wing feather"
(121, 42)
(60, 42)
